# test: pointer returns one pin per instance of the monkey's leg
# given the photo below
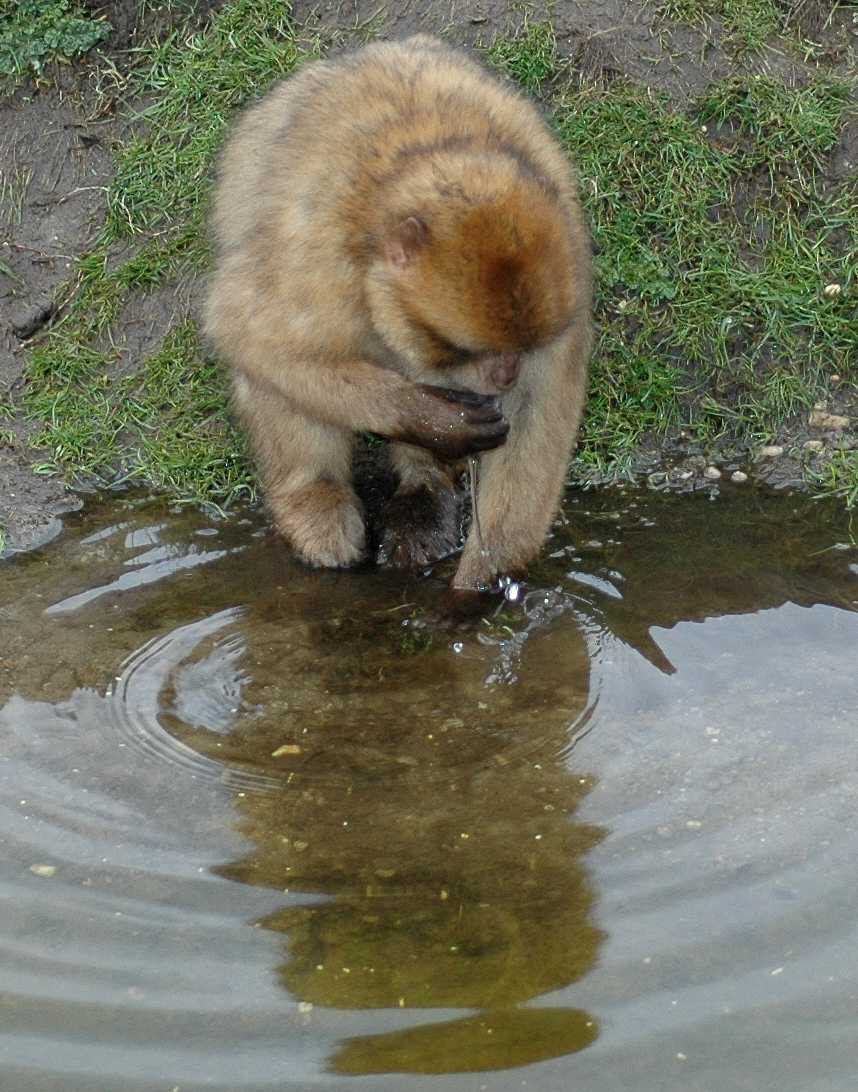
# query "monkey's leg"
(521, 482)
(305, 467)
(421, 521)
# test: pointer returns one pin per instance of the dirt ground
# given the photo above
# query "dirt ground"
(56, 141)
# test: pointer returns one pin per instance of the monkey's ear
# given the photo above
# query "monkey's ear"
(406, 241)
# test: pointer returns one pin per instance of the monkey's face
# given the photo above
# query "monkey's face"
(487, 371)
(472, 291)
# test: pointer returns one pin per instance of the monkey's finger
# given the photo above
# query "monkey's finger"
(491, 435)
(463, 397)
(488, 414)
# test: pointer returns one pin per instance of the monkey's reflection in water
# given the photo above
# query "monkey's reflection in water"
(437, 813)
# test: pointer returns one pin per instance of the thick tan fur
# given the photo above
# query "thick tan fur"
(388, 223)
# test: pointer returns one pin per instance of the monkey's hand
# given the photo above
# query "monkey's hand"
(453, 423)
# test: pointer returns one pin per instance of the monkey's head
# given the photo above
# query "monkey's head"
(474, 278)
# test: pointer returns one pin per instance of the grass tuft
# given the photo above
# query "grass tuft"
(749, 23)
(198, 82)
(186, 442)
(792, 127)
(839, 478)
(529, 56)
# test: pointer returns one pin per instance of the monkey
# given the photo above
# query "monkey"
(400, 250)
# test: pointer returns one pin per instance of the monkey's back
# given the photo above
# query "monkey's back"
(315, 153)
(307, 176)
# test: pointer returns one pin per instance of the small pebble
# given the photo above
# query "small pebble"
(712, 473)
(771, 452)
(820, 419)
(814, 446)
(738, 476)
(832, 291)
(286, 749)
(28, 320)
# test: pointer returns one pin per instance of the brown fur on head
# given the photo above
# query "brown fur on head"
(476, 258)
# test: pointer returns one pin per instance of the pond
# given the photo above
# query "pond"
(270, 828)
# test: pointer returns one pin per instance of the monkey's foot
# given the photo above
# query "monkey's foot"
(420, 527)
(324, 524)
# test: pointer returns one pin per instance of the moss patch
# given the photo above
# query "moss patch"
(35, 32)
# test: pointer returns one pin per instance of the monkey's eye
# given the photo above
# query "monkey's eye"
(454, 354)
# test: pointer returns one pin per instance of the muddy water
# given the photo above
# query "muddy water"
(264, 828)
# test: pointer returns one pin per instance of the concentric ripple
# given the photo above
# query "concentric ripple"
(136, 697)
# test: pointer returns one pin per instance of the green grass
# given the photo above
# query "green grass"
(187, 444)
(168, 425)
(749, 23)
(716, 225)
(839, 478)
(198, 82)
(714, 248)
(529, 56)
(35, 32)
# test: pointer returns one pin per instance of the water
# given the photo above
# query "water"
(266, 828)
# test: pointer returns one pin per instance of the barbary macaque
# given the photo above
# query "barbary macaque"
(401, 251)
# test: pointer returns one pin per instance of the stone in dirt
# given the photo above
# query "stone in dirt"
(822, 419)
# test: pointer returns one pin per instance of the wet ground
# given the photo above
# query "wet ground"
(266, 828)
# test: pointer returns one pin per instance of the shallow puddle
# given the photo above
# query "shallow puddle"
(266, 828)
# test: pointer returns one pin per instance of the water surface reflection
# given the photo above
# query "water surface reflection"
(266, 828)
(438, 814)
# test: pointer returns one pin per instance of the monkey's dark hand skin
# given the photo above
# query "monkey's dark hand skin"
(454, 424)
(421, 526)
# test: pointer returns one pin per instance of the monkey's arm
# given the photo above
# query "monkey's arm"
(521, 483)
(364, 397)
(337, 387)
